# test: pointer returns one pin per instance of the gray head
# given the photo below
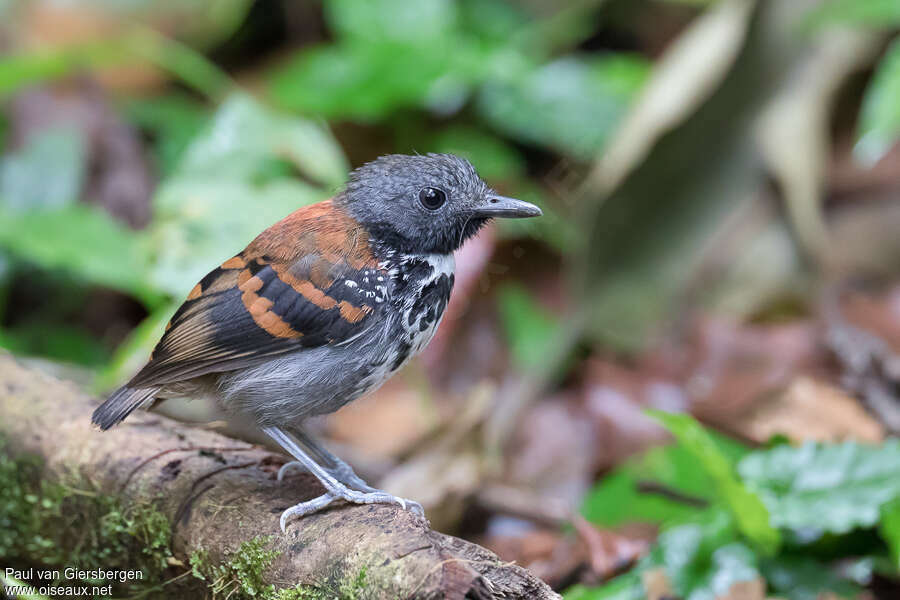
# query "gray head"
(424, 204)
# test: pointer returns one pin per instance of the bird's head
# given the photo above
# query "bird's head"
(425, 204)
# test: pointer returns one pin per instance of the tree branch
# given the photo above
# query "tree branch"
(219, 493)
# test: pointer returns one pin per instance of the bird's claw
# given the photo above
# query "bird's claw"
(352, 496)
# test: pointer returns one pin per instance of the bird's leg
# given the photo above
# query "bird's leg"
(335, 466)
(334, 489)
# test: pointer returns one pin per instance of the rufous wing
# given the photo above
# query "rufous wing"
(288, 290)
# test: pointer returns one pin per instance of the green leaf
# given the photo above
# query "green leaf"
(235, 180)
(140, 44)
(624, 587)
(624, 495)
(804, 578)
(890, 529)
(396, 20)
(529, 328)
(85, 242)
(26, 68)
(748, 509)
(879, 119)
(367, 81)
(871, 13)
(551, 105)
(493, 22)
(817, 488)
(701, 561)
(46, 173)
(244, 137)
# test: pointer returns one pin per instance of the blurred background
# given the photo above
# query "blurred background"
(721, 189)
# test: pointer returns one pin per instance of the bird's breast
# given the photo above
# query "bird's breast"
(422, 286)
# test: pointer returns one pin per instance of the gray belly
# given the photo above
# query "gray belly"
(321, 380)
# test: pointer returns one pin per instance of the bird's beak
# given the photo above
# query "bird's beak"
(510, 208)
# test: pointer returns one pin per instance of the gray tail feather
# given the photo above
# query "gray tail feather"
(121, 404)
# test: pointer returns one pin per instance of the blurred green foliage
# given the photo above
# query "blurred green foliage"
(496, 78)
(529, 328)
(749, 513)
(439, 54)
(618, 498)
(879, 121)
(817, 497)
(876, 13)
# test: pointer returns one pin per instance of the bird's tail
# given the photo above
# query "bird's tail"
(121, 404)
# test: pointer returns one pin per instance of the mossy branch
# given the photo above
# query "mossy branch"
(191, 508)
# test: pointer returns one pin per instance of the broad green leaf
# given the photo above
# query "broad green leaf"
(749, 511)
(492, 21)
(553, 105)
(624, 587)
(804, 578)
(624, 496)
(817, 488)
(85, 242)
(138, 45)
(618, 498)
(367, 81)
(701, 560)
(728, 565)
(890, 529)
(879, 119)
(47, 173)
(872, 13)
(234, 180)
(244, 138)
(704, 558)
(397, 20)
(529, 328)
(27, 68)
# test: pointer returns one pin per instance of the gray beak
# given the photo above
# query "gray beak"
(509, 208)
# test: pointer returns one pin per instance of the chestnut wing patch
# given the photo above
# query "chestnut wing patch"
(249, 309)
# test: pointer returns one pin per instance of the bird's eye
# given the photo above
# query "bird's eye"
(432, 198)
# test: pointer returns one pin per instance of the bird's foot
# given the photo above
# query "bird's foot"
(343, 473)
(352, 496)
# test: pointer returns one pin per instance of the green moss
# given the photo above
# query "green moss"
(351, 590)
(56, 524)
(240, 576)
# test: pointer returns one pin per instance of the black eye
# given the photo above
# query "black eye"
(432, 198)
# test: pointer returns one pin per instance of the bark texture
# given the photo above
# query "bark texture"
(219, 492)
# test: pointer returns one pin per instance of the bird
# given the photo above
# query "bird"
(322, 308)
